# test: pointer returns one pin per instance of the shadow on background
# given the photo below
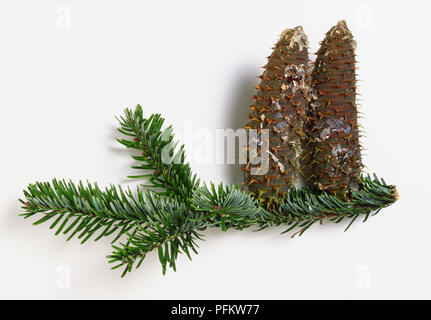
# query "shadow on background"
(241, 99)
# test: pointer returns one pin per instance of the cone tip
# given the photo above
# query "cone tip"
(290, 31)
(295, 35)
(342, 24)
(340, 29)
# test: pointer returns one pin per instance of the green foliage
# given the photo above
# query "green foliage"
(82, 210)
(163, 163)
(226, 206)
(170, 231)
(149, 220)
(171, 214)
(301, 208)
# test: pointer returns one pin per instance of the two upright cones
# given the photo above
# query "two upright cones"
(310, 114)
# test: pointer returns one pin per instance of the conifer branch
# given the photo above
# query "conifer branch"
(164, 164)
(83, 210)
(176, 234)
(150, 221)
(229, 207)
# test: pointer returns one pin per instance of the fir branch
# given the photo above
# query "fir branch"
(226, 206)
(170, 231)
(301, 208)
(149, 220)
(163, 162)
(83, 210)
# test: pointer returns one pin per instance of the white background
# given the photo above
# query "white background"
(67, 68)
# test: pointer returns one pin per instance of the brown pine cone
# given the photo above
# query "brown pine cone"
(334, 151)
(280, 105)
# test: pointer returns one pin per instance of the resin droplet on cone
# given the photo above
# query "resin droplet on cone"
(280, 105)
(334, 150)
